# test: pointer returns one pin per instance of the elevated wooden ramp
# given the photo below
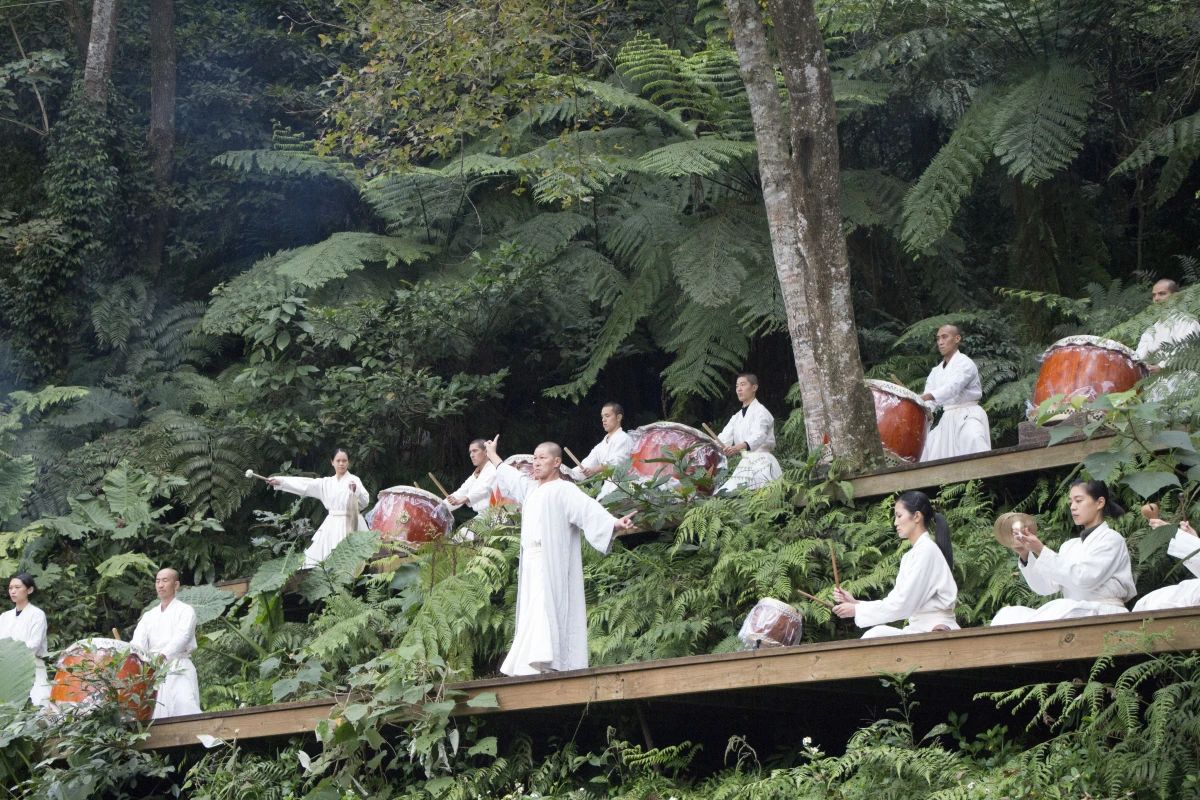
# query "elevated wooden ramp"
(981, 658)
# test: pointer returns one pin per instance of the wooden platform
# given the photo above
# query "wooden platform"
(813, 665)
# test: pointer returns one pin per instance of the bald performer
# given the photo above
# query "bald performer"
(551, 611)
(169, 630)
(1174, 329)
(954, 385)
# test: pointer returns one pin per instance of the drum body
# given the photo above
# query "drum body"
(650, 440)
(1086, 366)
(90, 668)
(406, 515)
(524, 464)
(902, 418)
(772, 623)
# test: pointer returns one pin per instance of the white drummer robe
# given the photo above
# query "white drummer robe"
(925, 594)
(1092, 572)
(29, 628)
(613, 450)
(964, 427)
(1160, 335)
(477, 488)
(1184, 594)
(752, 425)
(551, 630)
(334, 494)
(172, 635)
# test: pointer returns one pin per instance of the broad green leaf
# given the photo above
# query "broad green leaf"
(1147, 484)
(1060, 432)
(1101, 465)
(484, 747)
(118, 565)
(127, 495)
(284, 688)
(209, 602)
(17, 665)
(1155, 542)
(1176, 440)
(356, 711)
(16, 479)
(271, 576)
(484, 700)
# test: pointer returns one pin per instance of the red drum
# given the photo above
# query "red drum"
(90, 669)
(649, 441)
(406, 515)
(524, 463)
(903, 420)
(1087, 366)
(772, 623)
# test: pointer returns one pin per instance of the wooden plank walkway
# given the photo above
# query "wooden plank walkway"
(810, 665)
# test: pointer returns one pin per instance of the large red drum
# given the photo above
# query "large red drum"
(408, 516)
(903, 420)
(772, 623)
(92, 669)
(649, 441)
(524, 464)
(1086, 366)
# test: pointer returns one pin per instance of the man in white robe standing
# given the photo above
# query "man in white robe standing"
(169, 630)
(954, 385)
(551, 633)
(613, 450)
(751, 432)
(476, 490)
(1177, 327)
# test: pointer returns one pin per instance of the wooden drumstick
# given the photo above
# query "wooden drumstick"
(897, 381)
(709, 431)
(116, 634)
(833, 556)
(438, 484)
(578, 463)
(815, 599)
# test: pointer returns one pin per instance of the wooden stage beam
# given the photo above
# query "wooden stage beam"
(805, 665)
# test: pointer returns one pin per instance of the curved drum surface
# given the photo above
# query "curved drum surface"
(903, 420)
(1087, 366)
(771, 623)
(649, 441)
(91, 668)
(406, 515)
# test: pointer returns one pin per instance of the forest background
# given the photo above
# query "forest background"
(395, 227)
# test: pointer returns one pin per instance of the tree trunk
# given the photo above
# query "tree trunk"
(162, 124)
(758, 73)
(853, 434)
(101, 46)
(78, 26)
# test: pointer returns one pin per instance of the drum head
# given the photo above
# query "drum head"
(412, 491)
(896, 389)
(1003, 529)
(679, 427)
(1093, 341)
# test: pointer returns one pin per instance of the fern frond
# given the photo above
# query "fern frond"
(1039, 130)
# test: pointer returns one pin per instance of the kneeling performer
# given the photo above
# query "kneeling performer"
(954, 385)
(1185, 545)
(1092, 572)
(925, 592)
(614, 449)
(551, 630)
(476, 490)
(169, 630)
(751, 432)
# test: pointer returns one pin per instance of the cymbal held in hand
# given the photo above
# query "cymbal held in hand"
(1010, 522)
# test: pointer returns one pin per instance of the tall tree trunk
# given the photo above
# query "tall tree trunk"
(101, 46)
(78, 26)
(853, 434)
(162, 124)
(758, 73)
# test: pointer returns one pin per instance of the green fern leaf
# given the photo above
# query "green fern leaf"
(707, 156)
(1040, 128)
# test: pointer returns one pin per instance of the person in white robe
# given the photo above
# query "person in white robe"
(954, 385)
(337, 493)
(476, 490)
(1184, 545)
(613, 450)
(925, 593)
(26, 623)
(1177, 327)
(169, 630)
(556, 515)
(751, 432)
(1093, 572)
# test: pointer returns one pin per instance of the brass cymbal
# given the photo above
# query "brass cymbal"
(1003, 528)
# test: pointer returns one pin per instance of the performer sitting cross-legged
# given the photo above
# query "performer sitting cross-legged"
(613, 450)
(334, 493)
(169, 630)
(1184, 545)
(925, 592)
(551, 613)
(26, 623)
(476, 490)
(954, 385)
(751, 432)
(1092, 572)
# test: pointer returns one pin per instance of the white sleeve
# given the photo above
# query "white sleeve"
(1186, 547)
(962, 372)
(914, 585)
(591, 518)
(1038, 580)
(1145, 344)
(1090, 568)
(305, 487)
(592, 459)
(621, 451)
(364, 497)
(513, 484)
(141, 635)
(482, 486)
(182, 635)
(760, 427)
(35, 635)
(727, 433)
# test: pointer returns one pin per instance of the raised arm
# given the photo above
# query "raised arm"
(305, 487)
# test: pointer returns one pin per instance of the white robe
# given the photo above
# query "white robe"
(1094, 577)
(477, 488)
(925, 594)
(334, 495)
(1158, 336)
(551, 630)
(964, 427)
(756, 428)
(1185, 593)
(613, 450)
(172, 635)
(30, 629)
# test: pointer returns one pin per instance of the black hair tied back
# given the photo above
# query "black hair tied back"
(1098, 490)
(935, 523)
(25, 578)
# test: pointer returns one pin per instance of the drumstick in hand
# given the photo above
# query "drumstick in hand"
(252, 474)
(709, 431)
(438, 484)
(116, 634)
(815, 599)
(833, 556)
(578, 463)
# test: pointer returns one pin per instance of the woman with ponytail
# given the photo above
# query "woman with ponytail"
(925, 591)
(1092, 572)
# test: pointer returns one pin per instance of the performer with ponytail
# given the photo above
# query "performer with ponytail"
(1092, 572)
(26, 623)
(342, 494)
(925, 591)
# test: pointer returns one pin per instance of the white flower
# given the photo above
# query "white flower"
(807, 741)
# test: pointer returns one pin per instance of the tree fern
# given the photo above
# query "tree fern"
(709, 346)
(1179, 142)
(706, 156)
(1039, 129)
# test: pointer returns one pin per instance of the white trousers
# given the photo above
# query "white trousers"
(755, 470)
(179, 693)
(1061, 608)
(1182, 595)
(961, 431)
